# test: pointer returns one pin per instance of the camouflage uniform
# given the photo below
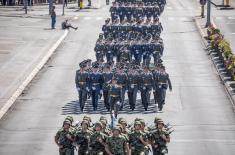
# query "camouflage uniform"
(63, 140)
(96, 146)
(159, 145)
(83, 139)
(116, 145)
(137, 147)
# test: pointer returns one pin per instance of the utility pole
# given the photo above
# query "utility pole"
(208, 21)
(63, 8)
(50, 2)
(25, 6)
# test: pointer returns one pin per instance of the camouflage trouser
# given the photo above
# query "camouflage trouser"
(66, 151)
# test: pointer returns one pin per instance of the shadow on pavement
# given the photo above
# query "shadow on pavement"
(74, 108)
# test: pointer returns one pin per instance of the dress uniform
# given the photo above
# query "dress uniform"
(122, 81)
(115, 92)
(95, 83)
(146, 83)
(163, 83)
(107, 77)
(133, 86)
(81, 80)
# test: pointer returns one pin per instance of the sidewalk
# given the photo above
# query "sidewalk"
(222, 74)
(25, 46)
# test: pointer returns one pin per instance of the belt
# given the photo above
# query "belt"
(114, 95)
(147, 84)
(95, 83)
(162, 83)
(81, 82)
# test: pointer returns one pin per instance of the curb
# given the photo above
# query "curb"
(226, 84)
(30, 77)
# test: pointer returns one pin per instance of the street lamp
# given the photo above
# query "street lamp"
(208, 21)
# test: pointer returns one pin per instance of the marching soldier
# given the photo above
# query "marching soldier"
(81, 80)
(163, 83)
(97, 141)
(99, 48)
(64, 139)
(116, 144)
(137, 140)
(156, 73)
(115, 91)
(159, 139)
(122, 81)
(82, 138)
(95, 82)
(133, 86)
(107, 77)
(105, 129)
(146, 83)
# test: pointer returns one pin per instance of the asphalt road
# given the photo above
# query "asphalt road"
(198, 107)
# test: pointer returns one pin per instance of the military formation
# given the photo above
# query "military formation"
(100, 138)
(130, 42)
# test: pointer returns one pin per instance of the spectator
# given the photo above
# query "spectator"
(66, 25)
(53, 17)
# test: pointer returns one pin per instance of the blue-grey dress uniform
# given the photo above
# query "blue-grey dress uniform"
(146, 85)
(115, 92)
(95, 84)
(99, 49)
(122, 81)
(162, 85)
(107, 77)
(133, 86)
(81, 80)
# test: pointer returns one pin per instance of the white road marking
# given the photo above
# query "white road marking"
(232, 23)
(87, 18)
(169, 8)
(171, 18)
(183, 18)
(99, 18)
(231, 17)
(218, 18)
